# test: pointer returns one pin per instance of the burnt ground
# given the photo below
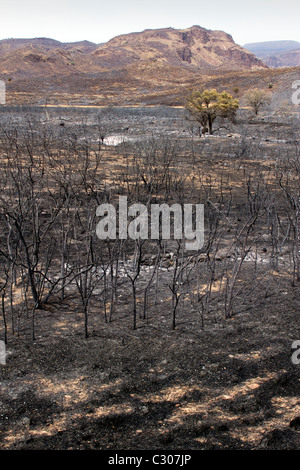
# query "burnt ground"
(228, 384)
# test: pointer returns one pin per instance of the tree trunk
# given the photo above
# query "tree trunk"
(210, 126)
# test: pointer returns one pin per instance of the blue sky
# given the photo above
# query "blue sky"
(98, 21)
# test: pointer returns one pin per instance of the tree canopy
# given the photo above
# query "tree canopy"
(257, 98)
(206, 105)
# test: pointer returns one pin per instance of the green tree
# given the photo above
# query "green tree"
(205, 106)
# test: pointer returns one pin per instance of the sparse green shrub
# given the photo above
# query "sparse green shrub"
(256, 99)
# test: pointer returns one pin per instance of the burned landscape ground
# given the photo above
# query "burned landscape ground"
(143, 344)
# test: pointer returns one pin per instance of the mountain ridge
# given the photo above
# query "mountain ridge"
(154, 66)
(193, 47)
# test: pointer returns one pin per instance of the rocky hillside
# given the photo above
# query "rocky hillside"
(151, 67)
(42, 56)
(194, 47)
(285, 59)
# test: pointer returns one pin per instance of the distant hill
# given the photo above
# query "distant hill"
(191, 47)
(285, 59)
(153, 66)
(268, 48)
(276, 53)
(194, 47)
(11, 45)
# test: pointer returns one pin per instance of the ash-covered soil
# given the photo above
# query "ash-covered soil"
(231, 385)
(227, 384)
